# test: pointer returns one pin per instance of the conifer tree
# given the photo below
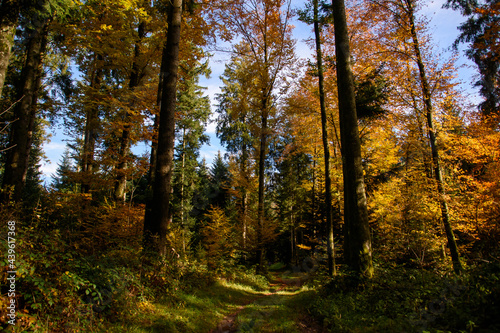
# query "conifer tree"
(62, 180)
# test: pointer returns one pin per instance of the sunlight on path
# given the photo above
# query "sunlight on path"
(278, 310)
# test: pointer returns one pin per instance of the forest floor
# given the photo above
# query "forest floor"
(275, 304)
(279, 309)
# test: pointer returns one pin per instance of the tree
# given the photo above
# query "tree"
(9, 17)
(193, 114)
(219, 183)
(136, 75)
(438, 172)
(357, 240)
(481, 32)
(406, 46)
(234, 129)
(267, 48)
(21, 132)
(157, 218)
(62, 181)
(326, 149)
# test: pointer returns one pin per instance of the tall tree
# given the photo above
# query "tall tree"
(193, 114)
(21, 132)
(157, 218)
(9, 16)
(481, 32)
(410, 52)
(438, 172)
(326, 148)
(62, 179)
(135, 78)
(268, 47)
(316, 20)
(358, 249)
(234, 129)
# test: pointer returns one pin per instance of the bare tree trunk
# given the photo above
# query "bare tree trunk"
(9, 15)
(326, 148)
(158, 219)
(438, 174)
(21, 135)
(359, 249)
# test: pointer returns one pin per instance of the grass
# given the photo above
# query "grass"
(278, 312)
(192, 309)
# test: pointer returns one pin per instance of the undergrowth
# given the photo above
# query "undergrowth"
(80, 268)
(400, 299)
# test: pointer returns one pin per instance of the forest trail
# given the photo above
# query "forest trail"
(279, 309)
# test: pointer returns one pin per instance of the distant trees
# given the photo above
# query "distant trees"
(267, 50)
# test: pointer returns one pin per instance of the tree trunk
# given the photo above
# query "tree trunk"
(121, 169)
(91, 128)
(438, 174)
(183, 225)
(359, 250)
(158, 219)
(262, 166)
(326, 148)
(21, 135)
(244, 197)
(9, 15)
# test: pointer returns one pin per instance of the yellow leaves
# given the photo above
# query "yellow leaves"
(105, 27)
(304, 247)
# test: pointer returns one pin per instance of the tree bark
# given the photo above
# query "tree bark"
(157, 221)
(244, 195)
(91, 128)
(438, 173)
(358, 246)
(8, 23)
(262, 166)
(326, 149)
(121, 169)
(21, 134)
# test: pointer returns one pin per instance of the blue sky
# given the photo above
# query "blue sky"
(443, 26)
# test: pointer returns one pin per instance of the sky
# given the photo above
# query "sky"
(443, 26)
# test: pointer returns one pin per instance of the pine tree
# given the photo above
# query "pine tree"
(219, 182)
(62, 180)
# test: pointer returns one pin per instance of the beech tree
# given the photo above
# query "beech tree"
(267, 46)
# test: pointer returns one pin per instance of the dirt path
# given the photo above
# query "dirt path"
(279, 310)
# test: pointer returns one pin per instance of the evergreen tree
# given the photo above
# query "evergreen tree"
(480, 31)
(194, 111)
(219, 183)
(62, 181)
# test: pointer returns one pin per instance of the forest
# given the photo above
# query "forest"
(358, 189)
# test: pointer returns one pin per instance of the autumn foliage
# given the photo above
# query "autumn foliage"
(134, 213)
